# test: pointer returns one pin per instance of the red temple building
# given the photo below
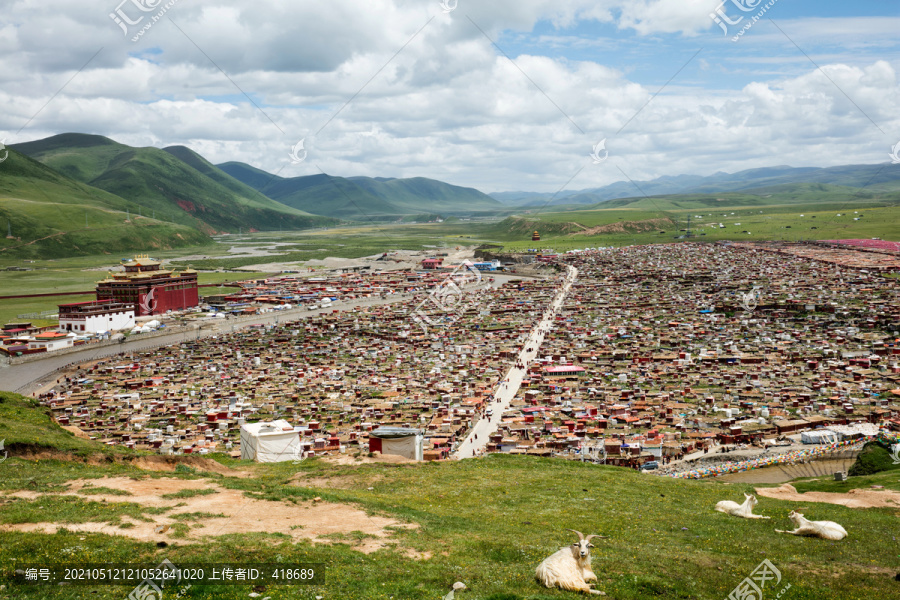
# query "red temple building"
(152, 289)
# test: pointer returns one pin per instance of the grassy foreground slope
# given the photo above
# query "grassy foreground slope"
(486, 522)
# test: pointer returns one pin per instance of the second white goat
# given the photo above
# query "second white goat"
(828, 530)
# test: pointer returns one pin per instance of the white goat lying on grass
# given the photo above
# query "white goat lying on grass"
(744, 510)
(569, 568)
(828, 530)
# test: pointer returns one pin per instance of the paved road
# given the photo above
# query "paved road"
(477, 439)
(27, 377)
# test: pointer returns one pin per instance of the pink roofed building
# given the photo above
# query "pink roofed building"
(563, 371)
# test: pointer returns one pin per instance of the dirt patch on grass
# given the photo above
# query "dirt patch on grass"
(32, 452)
(234, 513)
(852, 499)
(343, 459)
(837, 571)
(169, 463)
(627, 227)
(341, 482)
(76, 432)
(148, 463)
(23, 494)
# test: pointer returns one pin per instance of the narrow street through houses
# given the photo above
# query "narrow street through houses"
(477, 438)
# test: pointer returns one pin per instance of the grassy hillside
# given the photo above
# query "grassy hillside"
(521, 228)
(333, 196)
(79, 156)
(205, 167)
(419, 194)
(255, 178)
(486, 522)
(818, 195)
(176, 185)
(27, 427)
(789, 212)
(50, 215)
(364, 198)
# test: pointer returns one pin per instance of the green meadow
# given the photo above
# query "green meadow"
(572, 229)
(486, 522)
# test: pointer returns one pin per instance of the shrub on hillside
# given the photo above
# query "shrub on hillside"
(874, 458)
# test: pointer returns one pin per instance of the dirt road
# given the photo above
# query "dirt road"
(475, 442)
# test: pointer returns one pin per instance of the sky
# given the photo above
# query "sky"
(500, 95)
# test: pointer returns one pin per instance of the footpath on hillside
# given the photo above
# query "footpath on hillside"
(474, 443)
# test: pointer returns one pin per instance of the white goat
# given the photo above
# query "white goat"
(569, 568)
(744, 510)
(828, 530)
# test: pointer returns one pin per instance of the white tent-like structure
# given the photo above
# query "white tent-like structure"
(398, 441)
(275, 441)
(819, 436)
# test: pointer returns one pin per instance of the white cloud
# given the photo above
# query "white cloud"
(448, 105)
(690, 17)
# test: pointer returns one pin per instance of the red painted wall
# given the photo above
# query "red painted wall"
(164, 300)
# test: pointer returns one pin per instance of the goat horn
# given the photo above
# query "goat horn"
(578, 533)
(595, 535)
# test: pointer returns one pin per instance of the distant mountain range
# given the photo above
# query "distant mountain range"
(364, 197)
(75, 193)
(874, 178)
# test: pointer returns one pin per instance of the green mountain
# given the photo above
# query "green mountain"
(174, 184)
(46, 214)
(255, 178)
(365, 197)
(327, 195)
